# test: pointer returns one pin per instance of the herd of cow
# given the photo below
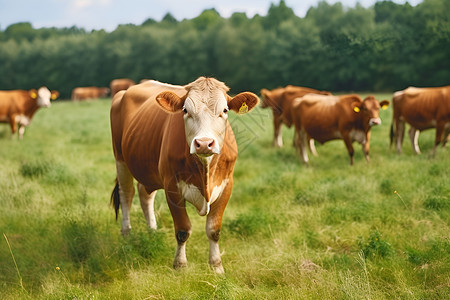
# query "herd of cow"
(178, 138)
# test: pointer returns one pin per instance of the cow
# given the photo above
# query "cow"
(280, 101)
(120, 84)
(345, 117)
(177, 138)
(421, 108)
(17, 107)
(90, 92)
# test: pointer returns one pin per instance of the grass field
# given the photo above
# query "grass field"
(290, 231)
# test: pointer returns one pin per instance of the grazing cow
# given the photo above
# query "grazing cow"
(280, 101)
(19, 106)
(326, 118)
(177, 138)
(421, 108)
(90, 92)
(120, 84)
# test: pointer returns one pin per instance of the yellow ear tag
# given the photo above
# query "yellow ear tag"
(33, 95)
(384, 107)
(356, 109)
(53, 97)
(243, 109)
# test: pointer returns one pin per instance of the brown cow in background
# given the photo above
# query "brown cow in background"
(345, 117)
(90, 92)
(19, 106)
(280, 101)
(120, 84)
(421, 108)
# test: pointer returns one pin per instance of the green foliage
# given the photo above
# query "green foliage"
(289, 231)
(374, 246)
(332, 48)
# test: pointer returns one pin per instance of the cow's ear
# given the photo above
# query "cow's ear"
(33, 93)
(170, 101)
(55, 95)
(243, 102)
(356, 106)
(384, 104)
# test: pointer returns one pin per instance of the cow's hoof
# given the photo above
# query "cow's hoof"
(126, 231)
(218, 268)
(179, 264)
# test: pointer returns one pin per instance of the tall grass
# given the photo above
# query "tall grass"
(290, 231)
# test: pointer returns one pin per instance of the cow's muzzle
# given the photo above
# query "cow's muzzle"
(375, 121)
(204, 146)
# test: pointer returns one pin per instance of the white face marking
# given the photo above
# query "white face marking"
(192, 194)
(43, 98)
(206, 119)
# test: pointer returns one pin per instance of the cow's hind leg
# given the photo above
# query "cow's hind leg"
(440, 131)
(147, 203)
(414, 137)
(126, 193)
(399, 134)
(302, 141)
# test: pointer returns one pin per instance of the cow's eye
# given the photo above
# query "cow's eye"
(185, 110)
(225, 110)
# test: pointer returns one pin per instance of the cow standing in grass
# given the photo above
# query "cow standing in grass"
(345, 117)
(18, 107)
(422, 108)
(280, 101)
(89, 92)
(177, 138)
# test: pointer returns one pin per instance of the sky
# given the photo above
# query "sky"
(108, 14)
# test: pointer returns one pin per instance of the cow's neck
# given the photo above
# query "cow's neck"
(205, 166)
(30, 107)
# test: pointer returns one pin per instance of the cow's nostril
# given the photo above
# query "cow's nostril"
(210, 145)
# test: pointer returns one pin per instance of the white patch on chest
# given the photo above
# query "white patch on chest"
(23, 120)
(192, 194)
(358, 136)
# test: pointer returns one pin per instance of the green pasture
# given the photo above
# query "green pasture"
(377, 230)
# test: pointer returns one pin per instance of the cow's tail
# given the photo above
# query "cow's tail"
(391, 134)
(115, 198)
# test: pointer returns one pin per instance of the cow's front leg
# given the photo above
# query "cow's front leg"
(213, 226)
(348, 144)
(277, 135)
(366, 146)
(182, 225)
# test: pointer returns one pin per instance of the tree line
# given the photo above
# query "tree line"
(385, 47)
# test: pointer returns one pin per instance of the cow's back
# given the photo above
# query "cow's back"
(11, 102)
(423, 107)
(142, 131)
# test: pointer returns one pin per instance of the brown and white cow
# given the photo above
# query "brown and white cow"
(280, 101)
(120, 84)
(177, 138)
(421, 108)
(89, 92)
(17, 107)
(345, 117)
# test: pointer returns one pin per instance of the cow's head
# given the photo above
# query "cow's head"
(271, 98)
(43, 96)
(370, 110)
(205, 107)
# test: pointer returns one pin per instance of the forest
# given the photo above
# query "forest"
(383, 48)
